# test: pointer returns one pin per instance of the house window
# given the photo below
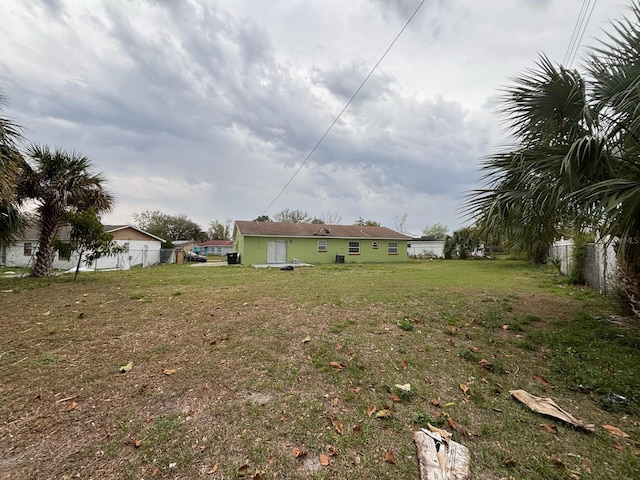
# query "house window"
(393, 248)
(28, 249)
(374, 245)
(354, 248)
(322, 245)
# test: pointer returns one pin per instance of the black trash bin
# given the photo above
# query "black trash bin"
(232, 258)
(339, 258)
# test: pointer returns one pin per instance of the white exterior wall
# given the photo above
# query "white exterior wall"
(428, 248)
(141, 252)
(601, 266)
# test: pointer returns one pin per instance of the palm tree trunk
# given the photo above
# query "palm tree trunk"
(630, 279)
(44, 256)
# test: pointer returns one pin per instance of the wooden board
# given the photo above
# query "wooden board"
(440, 460)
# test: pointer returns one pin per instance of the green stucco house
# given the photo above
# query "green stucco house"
(277, 243)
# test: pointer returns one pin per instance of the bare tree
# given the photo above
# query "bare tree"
(401, 223)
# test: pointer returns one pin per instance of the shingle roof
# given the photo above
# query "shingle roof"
(216, 243)
(284, 229)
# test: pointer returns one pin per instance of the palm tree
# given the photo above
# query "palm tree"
(12, 222)
(59, 182)
(575, 159)
(615, 69)
(525, 204)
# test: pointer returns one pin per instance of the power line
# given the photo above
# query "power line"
(344, 108)
(574, 35)
(578, 31)
(582, 34)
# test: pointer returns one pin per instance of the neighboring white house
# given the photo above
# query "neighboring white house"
(140, 248)
(215, 247)
(425, 247)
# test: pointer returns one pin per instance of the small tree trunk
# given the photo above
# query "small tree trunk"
(78, 265)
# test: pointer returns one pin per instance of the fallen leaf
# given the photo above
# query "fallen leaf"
(298, 453)
(371, 410)
(395, 398)
(452, 423)
(126, 368)
(618, 447)
(357, 429)
(136, 442)
(389, 457)
(405, 364)
(509, 462)
(243, 470)
(258, 476)
(443, 433)
(383, 413)
(427, 379)
(71, 406)
(557, 461)
(615, 431)
(474, 349)
(306, 339)
(435, 402)
(349, 352)
(356, 390)
(335, 401)
(337, 365)
(331, 451)
(405, 387)
(213, 469)
(484, 363)
(169, 371)
(339, 427)
(541, 379)
(549, 428)
(155, 471)
(324, 460)
(47, 313)
(464, 388)
(505, 327)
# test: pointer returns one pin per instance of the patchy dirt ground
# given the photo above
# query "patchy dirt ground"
(246, 374)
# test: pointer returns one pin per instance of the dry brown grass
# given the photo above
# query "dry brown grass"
(222, 375)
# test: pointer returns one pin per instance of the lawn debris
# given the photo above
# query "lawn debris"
(547, 406)
(549, 428)
(615, 431)
(383, 413)
(298, 452)
(126, 368)
(389, 457)
(439, 457)
(539, 378)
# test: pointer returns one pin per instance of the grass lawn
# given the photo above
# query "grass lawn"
(250, 373)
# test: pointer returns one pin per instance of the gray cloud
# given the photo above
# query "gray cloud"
(207, 108)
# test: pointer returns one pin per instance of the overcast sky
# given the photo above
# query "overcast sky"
(207, 108)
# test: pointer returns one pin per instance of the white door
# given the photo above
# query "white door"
(277, 251)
